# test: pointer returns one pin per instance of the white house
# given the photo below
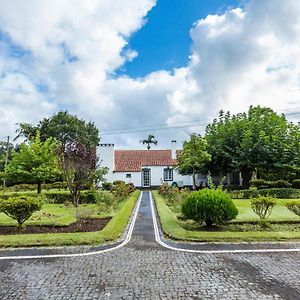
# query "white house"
(144, 168)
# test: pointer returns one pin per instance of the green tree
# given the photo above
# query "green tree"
(35, 162)
(150, 140)
(64, 127)
(78, 164)
(193, 156)
(253, 142)
(3, 152)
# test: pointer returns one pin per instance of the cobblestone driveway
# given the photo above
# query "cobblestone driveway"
(143, 269)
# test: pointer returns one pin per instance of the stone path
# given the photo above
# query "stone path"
(145, 270)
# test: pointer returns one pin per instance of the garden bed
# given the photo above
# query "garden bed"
(82, 225)
(284, 226)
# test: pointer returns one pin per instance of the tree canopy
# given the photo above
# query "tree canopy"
(254, 141)
(35, 162)
(150, 140)
(64, 127)
(193, 156)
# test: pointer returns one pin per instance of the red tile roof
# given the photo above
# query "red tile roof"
(134, 160)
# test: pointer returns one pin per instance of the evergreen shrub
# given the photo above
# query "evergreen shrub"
(210, 206)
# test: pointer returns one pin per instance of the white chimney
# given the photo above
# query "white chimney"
(106, 154)
(173, 149)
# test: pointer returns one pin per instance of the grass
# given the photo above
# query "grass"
(174, 229)
(112, 231)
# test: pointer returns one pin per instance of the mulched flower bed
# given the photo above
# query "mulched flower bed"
(82, 225)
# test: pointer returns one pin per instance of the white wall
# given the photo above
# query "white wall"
(135, 177)
(106, 155)
(157, 176)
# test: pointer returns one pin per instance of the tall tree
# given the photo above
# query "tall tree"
(193, 156)
(77, 147)
(64, 127)
(35, 162)
(78, 164)
(252, 142)
(150, 140)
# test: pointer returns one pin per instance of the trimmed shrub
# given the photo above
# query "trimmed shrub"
(262, 184)
(280, 193)
(258, 183)
(209, 206)
(107, 186)
(263, 206)
(296, 184)
(294, 206)
(21, 208)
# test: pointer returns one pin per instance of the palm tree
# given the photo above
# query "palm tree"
(150, 140)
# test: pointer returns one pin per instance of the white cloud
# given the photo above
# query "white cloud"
(73, 47)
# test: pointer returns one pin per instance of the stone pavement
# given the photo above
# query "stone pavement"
(145, 270)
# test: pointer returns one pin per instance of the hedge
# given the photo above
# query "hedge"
(56, 197)
(280, 193)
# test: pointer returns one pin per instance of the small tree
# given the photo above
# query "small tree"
(294, 206)
(209, 206)
(34, 162)
(21, 208)
(193, 156)
(150, 140)
(78, 164)
(263, 206)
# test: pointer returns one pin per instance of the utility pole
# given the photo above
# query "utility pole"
(6, 157)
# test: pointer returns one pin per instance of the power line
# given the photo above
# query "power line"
(166, 127)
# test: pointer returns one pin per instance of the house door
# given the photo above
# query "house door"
(146, 178)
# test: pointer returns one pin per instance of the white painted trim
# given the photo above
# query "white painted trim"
(162, 243)
(127, 239)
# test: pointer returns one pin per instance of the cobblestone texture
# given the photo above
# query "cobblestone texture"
(144, 270)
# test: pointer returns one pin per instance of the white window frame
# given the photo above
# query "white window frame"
(168, 174)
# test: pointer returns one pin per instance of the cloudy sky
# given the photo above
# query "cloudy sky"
(139, 67)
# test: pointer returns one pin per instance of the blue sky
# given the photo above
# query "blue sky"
(194, 58)
(164, 42)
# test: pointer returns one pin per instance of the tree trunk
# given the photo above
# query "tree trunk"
(76, 196)
(39, 189)
(246, 177)
(194, 180)
(208, 223)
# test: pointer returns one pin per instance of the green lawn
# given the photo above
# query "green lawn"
(173, 229)
(112, 231)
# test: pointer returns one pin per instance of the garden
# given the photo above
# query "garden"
(214, 215)
(54, 191)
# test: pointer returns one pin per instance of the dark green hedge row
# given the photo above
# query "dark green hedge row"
(56, 197)
(280, 193)
(262, 184)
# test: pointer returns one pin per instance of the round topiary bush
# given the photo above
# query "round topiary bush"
(21, 208)
(209, 206)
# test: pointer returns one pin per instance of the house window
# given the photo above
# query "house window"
(168, 174)
(128, 175)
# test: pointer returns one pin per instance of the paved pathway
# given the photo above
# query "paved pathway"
(144, 269)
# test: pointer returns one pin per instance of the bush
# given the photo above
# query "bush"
(21, 208)
(121, 190)
(280, 193)
(294, 206)
(296, 184)
(84, 213)
(261, 184)
(106, 197)
(209, 206)
(258, 183)
(169, 192)
(107, 186)
(263, 206)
